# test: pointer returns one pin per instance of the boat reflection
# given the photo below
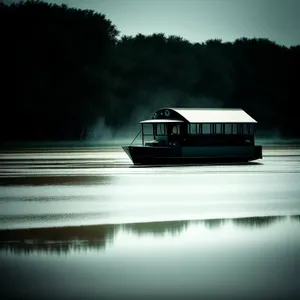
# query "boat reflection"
(61, 240)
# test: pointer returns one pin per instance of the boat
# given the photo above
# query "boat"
(195, 135)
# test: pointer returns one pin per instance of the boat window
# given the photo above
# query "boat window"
(234, 128)
(148, 129)
(228, 128)
(200, 128)
(251, 128)
(161, 129)
(218, 128)
(194, 128)
(206, 128)
(240, 128)
(176, 129)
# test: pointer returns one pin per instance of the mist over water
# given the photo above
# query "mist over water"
(102, 133)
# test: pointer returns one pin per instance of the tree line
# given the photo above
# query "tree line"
(67, 71)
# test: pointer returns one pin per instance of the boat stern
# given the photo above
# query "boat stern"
(258, 152)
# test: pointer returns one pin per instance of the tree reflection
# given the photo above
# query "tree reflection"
(62, 240)
(255, 222)
(214, 223)
(58, 240)
(174, 228)
(295, 218)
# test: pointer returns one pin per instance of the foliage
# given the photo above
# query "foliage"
(64, 69)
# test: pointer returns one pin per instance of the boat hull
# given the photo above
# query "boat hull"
(153, 155)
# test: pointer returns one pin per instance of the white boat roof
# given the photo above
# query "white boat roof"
(214, 115)
(160, 121)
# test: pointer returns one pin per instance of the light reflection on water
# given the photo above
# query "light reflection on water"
(167, 232)
(146, 198)
(82, 188)
(228, 258)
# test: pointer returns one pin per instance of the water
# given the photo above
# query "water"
(89, 224)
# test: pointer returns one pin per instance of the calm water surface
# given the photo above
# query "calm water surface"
(88, 224)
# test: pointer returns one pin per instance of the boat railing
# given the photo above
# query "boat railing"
(135, 137)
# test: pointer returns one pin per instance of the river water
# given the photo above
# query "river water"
(87, 224)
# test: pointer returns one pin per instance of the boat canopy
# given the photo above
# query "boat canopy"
(205, 115)
(155, 121)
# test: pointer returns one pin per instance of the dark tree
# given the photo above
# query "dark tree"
(63, 70)
(56, 61)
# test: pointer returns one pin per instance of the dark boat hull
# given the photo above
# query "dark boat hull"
(154, 155)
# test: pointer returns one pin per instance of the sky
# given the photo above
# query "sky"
(200, 20)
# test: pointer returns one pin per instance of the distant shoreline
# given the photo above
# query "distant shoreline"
(95, 145)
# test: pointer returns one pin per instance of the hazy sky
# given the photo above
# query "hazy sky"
(199, 20)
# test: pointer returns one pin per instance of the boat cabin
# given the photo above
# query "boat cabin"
(198, 127)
